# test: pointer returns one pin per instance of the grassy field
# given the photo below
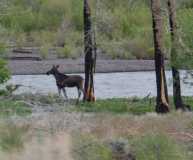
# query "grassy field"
(120, 33)
(23, 105)
(112, 129)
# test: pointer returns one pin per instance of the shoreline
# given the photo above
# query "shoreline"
(68, 66)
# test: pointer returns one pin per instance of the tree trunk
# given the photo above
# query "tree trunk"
(178, 102)
(162, 95)
(89, 55)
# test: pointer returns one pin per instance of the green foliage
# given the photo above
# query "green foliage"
(4, 72)
(186, 3)
(44, 51)
(183, 47)
(89, 148)
(184, 18)
(158, 147)
(36, 15)
(3, 92)
(64, 52)
(116, 22)
(11, 107)
(77, 14)
(2, 49)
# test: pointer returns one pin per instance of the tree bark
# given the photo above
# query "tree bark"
(178, 102)
(162, 101)
(89, 55)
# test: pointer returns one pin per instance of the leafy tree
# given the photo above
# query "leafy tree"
(178, 102)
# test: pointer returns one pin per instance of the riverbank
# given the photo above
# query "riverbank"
(26, 67)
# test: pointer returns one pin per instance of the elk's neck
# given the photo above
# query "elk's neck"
(60, 76)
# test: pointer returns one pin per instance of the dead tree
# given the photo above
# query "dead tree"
(162, 101)
(178, 102)
(89, 55)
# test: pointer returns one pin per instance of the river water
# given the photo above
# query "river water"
(107, 85)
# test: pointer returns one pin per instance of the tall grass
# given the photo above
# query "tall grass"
(116, 22)
(12, 136)
(10, 108)
(87, 147)
(158, 147)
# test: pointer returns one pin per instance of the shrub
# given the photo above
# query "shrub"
(115, 21)
(10, 108)
(87, 147)
(2, 48)
(158, 147)
(64, 52)
(4, 72)
(44, 51)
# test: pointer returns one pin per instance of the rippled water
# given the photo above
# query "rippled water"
(107, 85)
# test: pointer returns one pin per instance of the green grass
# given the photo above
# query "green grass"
(11, 136)
(132, 106)
(12, 107)
(135, 106)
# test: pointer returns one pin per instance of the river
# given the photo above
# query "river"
(107, 85)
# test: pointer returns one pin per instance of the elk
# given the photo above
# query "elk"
(63, 81)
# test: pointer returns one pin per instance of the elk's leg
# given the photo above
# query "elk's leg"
(64, 92)
(81, 90)
(79, 94)
(59, 91)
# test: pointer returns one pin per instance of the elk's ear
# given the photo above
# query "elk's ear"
(57, 66)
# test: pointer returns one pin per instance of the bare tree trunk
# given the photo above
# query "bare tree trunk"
(162, 95)
(178, 102)
(89, 55)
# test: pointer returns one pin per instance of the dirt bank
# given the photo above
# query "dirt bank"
(77, 66)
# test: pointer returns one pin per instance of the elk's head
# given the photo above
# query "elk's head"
(53, 70)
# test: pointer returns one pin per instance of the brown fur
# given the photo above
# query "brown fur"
(63, 81)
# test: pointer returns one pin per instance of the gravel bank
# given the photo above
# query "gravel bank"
(25, 67)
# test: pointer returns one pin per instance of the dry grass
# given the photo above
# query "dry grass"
(176, 124)
(43, 148)
(49, 134)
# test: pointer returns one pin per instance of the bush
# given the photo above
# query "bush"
(64, 52)
(4, 72)
(89, 148)
(2, 48)
(44, 51)
(10, 108)
(115, 21)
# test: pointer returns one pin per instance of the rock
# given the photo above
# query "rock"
(121, 150)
